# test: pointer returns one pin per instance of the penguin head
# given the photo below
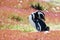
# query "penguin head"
(40, 15)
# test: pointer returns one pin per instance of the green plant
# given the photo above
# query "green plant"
(23, 28)
(37, 6)
(15, 17)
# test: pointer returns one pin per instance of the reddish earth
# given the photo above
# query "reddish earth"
(8, 7)
(23, 9)
(17, 35)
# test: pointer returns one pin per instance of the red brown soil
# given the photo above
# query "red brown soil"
(17, 35)
(7, 7)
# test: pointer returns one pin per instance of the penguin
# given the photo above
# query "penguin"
(37, 21)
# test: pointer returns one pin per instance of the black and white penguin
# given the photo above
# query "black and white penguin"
(37, 19)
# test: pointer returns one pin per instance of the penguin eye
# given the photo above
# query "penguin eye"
(42, 16)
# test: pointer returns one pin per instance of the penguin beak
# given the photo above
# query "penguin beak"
(42, 17)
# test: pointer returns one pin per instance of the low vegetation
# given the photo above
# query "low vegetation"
(37, 6)
(15, 17)
(21, 27)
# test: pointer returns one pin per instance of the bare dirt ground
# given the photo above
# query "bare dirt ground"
(17, 35)
(23, 9)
